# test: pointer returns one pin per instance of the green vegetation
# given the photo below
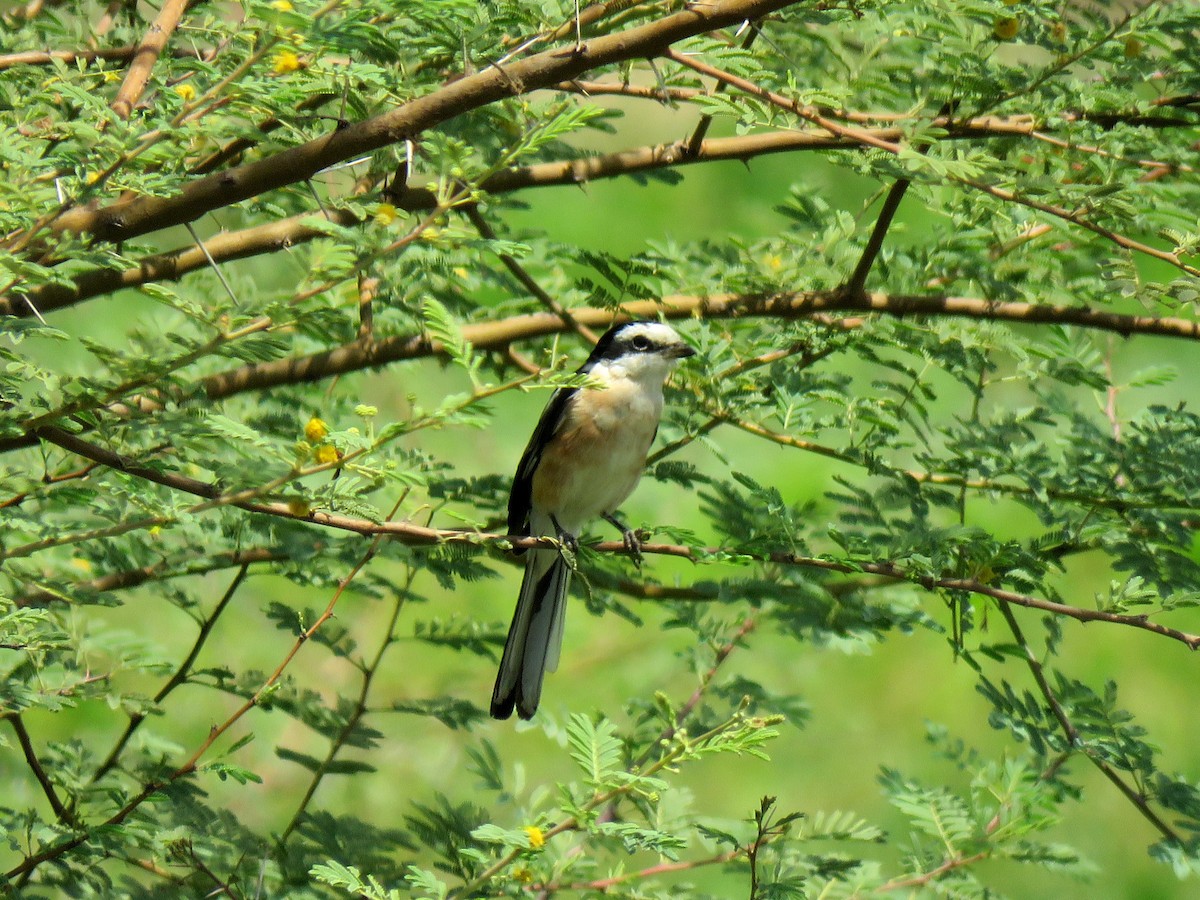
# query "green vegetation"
(284, 286)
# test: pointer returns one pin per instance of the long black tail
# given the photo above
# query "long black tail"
(534, 637)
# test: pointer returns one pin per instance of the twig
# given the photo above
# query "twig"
(35, 766)
(868, 139)
(178, 678)
(1073, 738)
(147, 55)
(158, 571)
(191, 764)
(526, 280)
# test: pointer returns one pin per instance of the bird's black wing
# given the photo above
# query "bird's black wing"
(520, 499)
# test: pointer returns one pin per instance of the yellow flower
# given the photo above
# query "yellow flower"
(522, 875)
(385, 214)
(91, 177)
(285, 61)
(327, 453)
(282, 6)
(82, 565)
(315, 430)
(1006, 27)
(537, 840)
(111, 77)
(186, 91)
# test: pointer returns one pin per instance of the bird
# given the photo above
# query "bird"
(584, 458)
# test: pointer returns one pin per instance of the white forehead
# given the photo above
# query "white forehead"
(656, 332)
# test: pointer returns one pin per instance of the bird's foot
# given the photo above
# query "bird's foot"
(569, 541)
(633, 545)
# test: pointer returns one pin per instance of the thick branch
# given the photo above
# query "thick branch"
(130, 218)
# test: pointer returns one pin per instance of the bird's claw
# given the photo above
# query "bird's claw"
(633, 545)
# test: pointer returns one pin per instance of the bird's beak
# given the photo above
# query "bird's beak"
(680, 351)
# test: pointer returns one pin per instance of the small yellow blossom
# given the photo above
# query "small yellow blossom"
(774, 263)
(111, 77)
(285, 61)
(1006, 27)
(522, 875)
(315, 430)
(282, 6)
(385, 214)
(91, 177)
(82, 565)
(327, 453)
(186, 91)
(537, 840)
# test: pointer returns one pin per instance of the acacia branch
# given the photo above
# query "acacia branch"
(35, 766)
(417, 535)
(159, 571)
(1074, 740)
(130, 218)
(146, 56)
(262, 239)
(783, 305)
(368, 353)
(812, 115)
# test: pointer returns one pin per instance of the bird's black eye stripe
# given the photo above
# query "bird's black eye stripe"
(640, 342)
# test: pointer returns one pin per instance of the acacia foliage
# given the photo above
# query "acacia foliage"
(348, 174)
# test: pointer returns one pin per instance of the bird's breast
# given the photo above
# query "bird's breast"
(596, 456)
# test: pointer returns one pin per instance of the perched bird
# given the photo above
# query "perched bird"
(584, 458)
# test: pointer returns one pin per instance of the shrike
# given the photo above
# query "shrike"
(584, 458)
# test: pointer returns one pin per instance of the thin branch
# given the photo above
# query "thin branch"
(262, 239)
(1074, 740)
(191, 764)
(526, 280)
(159, 571)
(179, 677)
(46, 57)
(147, 54)
(868, 139)
(785, 305)
(410, 533)
(812, 305)
(35, 766)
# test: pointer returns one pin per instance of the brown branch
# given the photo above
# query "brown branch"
(35, 766)
(787, 305)
(45, 57)
(147, 54)
(174, 264)
(871, 140)
(1074, 741)
(130, 218)
(159, 571)
(272, 237)
(412, 534)
(812, 305)
(857, 281)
